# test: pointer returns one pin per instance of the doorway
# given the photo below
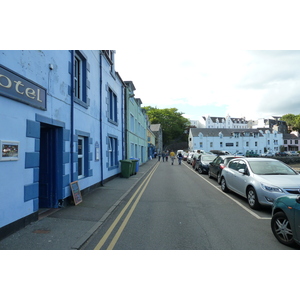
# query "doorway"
(50, 172)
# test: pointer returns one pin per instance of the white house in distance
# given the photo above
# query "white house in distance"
(235, 140)
(227, 122)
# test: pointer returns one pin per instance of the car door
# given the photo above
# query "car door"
(297, 220)
(214, 166)
(230, 174)
(240, 180)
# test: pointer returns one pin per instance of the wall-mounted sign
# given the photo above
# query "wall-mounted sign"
(229, 144)
(9, 150)
(17, 87)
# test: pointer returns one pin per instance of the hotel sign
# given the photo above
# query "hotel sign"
(17, 87)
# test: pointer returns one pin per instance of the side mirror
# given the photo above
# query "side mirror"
(242, 171)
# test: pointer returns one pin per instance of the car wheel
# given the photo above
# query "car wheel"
(224, 187)
(282, 229)
(252, 198)
(219, 178)
(200, 170)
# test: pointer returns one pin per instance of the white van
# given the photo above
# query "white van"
(178, 151)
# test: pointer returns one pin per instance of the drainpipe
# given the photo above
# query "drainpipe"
(124, 143)
(72, 116)
(101, 147)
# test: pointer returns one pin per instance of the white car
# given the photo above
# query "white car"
(189, 158)
(292, 153)
(267, 154)
(260, 180)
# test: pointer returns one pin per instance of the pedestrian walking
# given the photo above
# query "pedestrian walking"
(172, 156)
(179, 156)
(163, 155)
(167, 155)
(195, 158)
(159, 156)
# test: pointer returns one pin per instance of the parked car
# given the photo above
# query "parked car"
(251, 153)
(292, 153)
(259, 180)
(202, 164)
(185, 155)
(218, 164)
(189, 158)
(285, 221)
(238, 153)
(281, 153)
(220, 152)
(267, 154)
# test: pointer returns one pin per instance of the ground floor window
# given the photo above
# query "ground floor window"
(81, 156)
(113, 152)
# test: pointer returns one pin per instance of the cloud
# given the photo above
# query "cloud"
(243, 83)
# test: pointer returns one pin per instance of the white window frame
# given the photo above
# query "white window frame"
(81, 156)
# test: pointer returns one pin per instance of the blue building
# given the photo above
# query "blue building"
(61, 120)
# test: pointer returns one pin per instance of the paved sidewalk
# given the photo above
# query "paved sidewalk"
(68, 228)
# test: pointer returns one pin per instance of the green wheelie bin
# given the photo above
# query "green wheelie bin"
(126, 168)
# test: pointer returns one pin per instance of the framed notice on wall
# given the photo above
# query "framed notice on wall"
(76, 192)
(9, 150)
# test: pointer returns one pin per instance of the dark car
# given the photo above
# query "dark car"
(285, 221)
(218, 164)
(202, 164)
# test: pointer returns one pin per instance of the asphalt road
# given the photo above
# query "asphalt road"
(175, 208)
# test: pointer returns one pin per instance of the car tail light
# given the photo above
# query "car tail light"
(222, 166)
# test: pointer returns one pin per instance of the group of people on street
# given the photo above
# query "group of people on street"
(165, 155)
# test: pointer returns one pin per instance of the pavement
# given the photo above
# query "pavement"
(68, 228)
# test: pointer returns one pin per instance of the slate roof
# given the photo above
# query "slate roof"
(225, 131)
(290, 136)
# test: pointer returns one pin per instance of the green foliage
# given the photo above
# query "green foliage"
(292, 120)
(172, 122)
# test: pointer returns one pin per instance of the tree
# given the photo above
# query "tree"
(292, 120)
(172, 122)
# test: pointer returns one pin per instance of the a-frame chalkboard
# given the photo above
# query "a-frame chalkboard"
(76, 192)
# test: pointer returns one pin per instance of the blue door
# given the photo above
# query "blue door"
(50, 172)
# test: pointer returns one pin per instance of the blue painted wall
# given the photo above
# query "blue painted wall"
(52, 70)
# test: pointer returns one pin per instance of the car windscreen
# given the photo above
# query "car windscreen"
(207, 158)
(271, 168)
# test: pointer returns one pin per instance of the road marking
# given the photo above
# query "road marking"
(237, 202)
(114, 224)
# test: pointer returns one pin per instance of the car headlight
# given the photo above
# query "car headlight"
(272, 189)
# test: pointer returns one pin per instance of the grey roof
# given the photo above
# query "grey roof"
(290, 136)
(225, 131)
(222, 119)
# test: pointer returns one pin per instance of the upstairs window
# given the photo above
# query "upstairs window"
(80, 77)
(112, 106)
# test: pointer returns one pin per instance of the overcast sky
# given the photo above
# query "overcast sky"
(190, 54)
(251, 84)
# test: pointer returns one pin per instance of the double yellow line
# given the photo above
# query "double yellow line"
(143, 186)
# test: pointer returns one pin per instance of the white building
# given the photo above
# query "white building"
(234, 140)
(227, 122)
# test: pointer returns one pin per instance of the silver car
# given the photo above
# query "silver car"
(260, 180)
